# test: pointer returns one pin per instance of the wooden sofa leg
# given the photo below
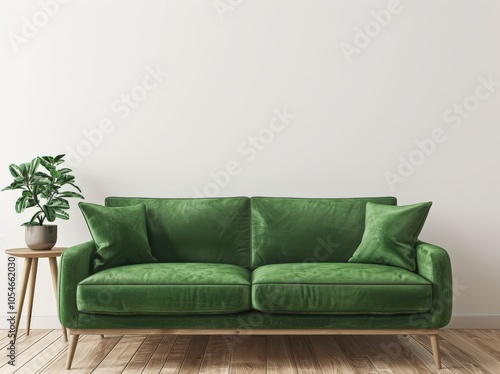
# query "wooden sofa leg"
(435, 350)
(102, 336)
(73, 341)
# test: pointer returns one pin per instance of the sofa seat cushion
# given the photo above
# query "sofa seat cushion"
(166, 288)
(339, 288)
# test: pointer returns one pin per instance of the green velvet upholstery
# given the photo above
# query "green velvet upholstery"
(390, 234)
(218, 231)
(77, 263)
(339, 288)
(119, 233)
(433, 264)
(257, 320)
(196, 230)
(307, 230)
(167, 288)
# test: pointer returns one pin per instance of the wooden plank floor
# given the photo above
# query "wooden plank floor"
(463, 352)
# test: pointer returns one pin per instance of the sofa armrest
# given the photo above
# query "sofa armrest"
(76, 265)
(433, 263)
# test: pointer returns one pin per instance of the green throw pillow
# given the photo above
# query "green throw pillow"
(390, 234)
(119, 233)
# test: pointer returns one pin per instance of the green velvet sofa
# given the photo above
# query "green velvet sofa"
(259, 265)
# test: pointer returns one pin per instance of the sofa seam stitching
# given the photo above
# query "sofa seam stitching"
(164, 284)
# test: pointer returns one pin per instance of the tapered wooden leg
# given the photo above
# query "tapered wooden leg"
(435, 350)
(34, 268)
(24, 285)
(102, 336)
(73, 341)
(53, 271)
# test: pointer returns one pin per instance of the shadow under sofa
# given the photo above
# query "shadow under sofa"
(250, 266)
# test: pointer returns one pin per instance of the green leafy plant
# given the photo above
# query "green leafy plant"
(43, 189)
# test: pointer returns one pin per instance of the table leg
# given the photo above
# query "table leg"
(26, 275)
(53, 271)
(34, 268)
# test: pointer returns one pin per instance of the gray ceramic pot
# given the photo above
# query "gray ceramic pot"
(41, 237)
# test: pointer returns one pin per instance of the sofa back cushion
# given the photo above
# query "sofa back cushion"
(290, 230)
(206, 230)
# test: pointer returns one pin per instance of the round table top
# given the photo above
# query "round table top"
(32, 253)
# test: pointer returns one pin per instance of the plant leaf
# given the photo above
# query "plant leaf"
(31, 203)
(50, 213)
(62, 215)
(34, 218)
(59, 159)
(48, 159)
(42, 174)
(41, 181)
(23, 168)
(45, 161)
(30, 224)
(70, 194)
(78, 188)
(59, 203)
(21, 204)
(34, 165)
(65, 179)
(15, 171)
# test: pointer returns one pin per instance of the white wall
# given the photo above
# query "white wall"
(228, 74)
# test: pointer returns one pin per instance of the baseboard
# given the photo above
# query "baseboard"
(491, 322)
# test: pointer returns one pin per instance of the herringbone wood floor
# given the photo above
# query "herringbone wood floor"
(463, 351)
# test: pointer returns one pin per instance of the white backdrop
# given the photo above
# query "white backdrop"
(302, 98)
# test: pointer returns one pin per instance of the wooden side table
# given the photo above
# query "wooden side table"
(30, 268)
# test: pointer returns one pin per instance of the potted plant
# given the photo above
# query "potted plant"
(42, 190)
